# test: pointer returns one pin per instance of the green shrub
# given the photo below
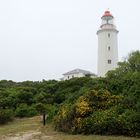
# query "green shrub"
(64, 118)
(31, 111)
(51, 111)
(6, 115)
(25, 111)
(98, 112)
(130, 121)
(102, 122)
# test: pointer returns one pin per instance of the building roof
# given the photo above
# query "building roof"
(76, 71)
(107, 13)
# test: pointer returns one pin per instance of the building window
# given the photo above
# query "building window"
(109, 61)
(72, 76)
(108, 48)
(108, 35)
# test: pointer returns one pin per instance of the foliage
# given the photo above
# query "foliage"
(25, 111)
(82, 107)
(51, 111)
(6, 115)
(41, 108)
(95, 106)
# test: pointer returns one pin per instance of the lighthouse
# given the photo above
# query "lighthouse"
(107, 44)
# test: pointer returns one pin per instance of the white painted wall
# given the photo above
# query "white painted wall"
(67, 77)
(103, 53)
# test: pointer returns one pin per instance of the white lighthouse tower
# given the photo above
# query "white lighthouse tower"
(107, 45)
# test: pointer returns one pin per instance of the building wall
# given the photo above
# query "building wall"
(67, 77)
(107, 50)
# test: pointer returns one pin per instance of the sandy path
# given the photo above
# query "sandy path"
(36, 135)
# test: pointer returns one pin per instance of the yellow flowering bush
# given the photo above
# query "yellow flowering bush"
(82, 107)
(98, 112)
(102, 99)
(61, 116)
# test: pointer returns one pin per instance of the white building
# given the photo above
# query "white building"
(107, 45)
(77, 73)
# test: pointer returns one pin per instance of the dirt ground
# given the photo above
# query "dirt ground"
(24, 129)
(32, 135)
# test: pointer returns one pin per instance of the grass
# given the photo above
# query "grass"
(29, 125)
(20, 125)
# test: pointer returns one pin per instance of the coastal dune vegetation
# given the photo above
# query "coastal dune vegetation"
(103, 106)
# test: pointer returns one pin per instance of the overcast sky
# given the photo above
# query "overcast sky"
(42, 39)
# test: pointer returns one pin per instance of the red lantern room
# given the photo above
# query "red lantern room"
(107, 13)
(107, 18)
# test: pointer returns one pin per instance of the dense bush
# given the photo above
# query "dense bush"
(130, 121)
(51, 111)
(109, 122)
(98, 112)
(6, 115)
(25, 111)
(84, 107)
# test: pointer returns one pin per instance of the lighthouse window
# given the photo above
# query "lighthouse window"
(109, 61)
(108, 35)
(108, 48)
